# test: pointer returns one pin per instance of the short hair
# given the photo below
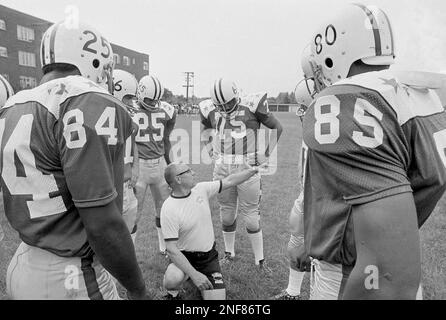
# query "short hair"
(61, 67)
(169, 173)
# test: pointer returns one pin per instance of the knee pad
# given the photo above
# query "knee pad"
(296, 223)
(252, 222)
(299, 259)
(229, 227)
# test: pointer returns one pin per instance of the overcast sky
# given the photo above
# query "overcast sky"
(257, 43)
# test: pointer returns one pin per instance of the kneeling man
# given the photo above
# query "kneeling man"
(186, 224)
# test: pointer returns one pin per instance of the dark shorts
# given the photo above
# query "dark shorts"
(207, 263)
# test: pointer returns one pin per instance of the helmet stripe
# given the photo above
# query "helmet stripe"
(215, 92)
(391, 33)
(42, 54)
(52, 42)
(156, 88)
(375, 26)
(160, 89)
(8, 94)
(221, 91)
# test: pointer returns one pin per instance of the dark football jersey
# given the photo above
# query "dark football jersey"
(129, 153)
(369, 137)
(151, 124)
(237, 134)
(62, 148)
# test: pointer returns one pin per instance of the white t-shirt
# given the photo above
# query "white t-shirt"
(188, 219)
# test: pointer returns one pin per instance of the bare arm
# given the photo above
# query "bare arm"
(178, 258)
(388, 250)
(272, 123)
(238, 178)
(167, 145)
(110, 239)
(135, 165)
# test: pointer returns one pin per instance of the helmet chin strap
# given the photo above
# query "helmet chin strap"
(227, 114)
(147, 106)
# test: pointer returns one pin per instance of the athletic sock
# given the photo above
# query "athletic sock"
(162, 244)
(229, 239)
(295, 282)
(257, 245)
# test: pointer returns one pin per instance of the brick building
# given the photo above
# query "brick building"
(20, 37)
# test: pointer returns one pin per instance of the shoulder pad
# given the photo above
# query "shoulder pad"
(407, 101)
(170, 110)
(54, 93)
(252, 101)
(206, 107)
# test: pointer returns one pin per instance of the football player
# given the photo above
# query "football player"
(303, 93)
(156, 120)
(375, 160)
(237, 122)
(62, 145)
(125, 87)
(6, 92)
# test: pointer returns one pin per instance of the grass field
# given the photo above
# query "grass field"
(279, 191)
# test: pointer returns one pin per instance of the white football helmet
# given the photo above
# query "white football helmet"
(6, 91)
(357, 32)
(225, 96)
(303, 96)
(81, 46)
(124, 85)
(150, 88)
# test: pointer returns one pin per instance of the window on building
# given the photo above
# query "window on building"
(6, 76)
(25, 34)
(126, 61)
(27, 82)
(2, 24)
(134, 61)
(146, 66)
(117, 58)
(27, 59)
(3, 52)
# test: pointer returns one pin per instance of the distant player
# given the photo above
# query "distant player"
(125, 87)
(237, 122)
(156, 120)
(6, 92)
(62, 151)
(376, 160)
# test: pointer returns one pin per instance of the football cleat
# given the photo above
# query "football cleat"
(284, 295)
(263, 267)
(227, 259)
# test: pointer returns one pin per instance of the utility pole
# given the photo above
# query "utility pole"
(189, 83)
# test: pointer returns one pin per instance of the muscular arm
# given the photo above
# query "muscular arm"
(178, 258)
(111, 242)
(386, 237)
(272, 123)
(238, 178)
(166, 139)
(135, 165)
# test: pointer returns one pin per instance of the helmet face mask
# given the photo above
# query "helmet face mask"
(227, 108)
